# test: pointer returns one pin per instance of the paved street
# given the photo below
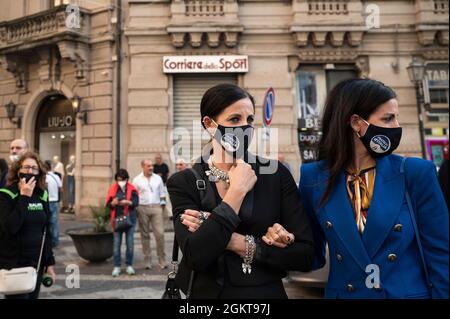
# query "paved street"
(96, 281)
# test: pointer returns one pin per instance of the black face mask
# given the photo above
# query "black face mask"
(381, 141)
(235, 140)
(28, 176)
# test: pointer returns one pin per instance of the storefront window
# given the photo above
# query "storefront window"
(436, 100)
(436, 86)
(55, 141)
(313, 84)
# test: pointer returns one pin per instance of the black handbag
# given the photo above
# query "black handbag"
(122, 223)
(172, 291)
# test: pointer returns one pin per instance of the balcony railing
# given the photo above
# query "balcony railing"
(327, 7)
(440, 6)
(204, 21)
(49, 24)
(208, 8)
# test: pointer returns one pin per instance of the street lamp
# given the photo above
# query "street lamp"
(10, 110)
(11, 113)
(76, 104)
(416, 72)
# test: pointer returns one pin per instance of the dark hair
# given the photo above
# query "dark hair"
(13, 174)
(355, 96)
(219, 97)
(123, 174)
(48, 165)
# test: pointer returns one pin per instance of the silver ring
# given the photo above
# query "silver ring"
(201, 217)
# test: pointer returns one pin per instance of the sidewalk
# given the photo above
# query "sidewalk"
(96, 281)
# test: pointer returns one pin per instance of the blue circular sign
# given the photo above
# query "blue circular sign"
(269, 102)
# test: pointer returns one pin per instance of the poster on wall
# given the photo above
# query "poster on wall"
(437, 149)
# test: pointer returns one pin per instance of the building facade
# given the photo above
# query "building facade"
(110, 81)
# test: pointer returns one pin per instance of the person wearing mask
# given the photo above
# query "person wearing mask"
(383, 216)
(123, 200)
(238, 219)
(24, 219)
(152, 200)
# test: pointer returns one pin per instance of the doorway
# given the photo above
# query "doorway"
(55, 141)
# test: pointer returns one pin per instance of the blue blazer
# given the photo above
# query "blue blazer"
(388, 240)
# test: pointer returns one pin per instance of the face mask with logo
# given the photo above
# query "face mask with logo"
(381, 141)
(14, 158)
(28, 176)
(122, 184)
(235, 140)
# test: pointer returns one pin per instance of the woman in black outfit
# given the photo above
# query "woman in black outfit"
(239, 222)
(24, 215)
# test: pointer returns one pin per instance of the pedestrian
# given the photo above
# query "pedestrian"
(152, 200)
(240, 229)
(123, 200)
(54, 185)
(161, 168)
(180, 165)
(17, 148)
(24, 219)
(366, 203)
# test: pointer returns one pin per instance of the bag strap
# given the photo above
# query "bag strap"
(412, 214)
(201, 187)
(175, 250)
(42, 249)
(200, 183)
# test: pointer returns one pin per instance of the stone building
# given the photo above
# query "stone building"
(109, 80)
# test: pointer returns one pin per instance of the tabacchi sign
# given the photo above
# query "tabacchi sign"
(205, 64)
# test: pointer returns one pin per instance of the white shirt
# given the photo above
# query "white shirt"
(53, 184)
(150, 190)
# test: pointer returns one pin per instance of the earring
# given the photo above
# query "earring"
(357, 134)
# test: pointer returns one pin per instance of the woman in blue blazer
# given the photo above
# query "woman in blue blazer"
(369, 205)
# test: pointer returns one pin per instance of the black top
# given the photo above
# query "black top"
(274, 199)
(22, 223)
(443, 180)
(32, 231)
(162, 170)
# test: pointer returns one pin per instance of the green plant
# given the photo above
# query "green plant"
(100, 216)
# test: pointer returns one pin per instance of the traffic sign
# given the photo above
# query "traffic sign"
(268, 105)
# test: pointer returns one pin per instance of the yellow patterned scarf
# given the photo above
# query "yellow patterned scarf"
(360, 190)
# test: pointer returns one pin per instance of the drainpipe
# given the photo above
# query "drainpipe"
(119, 80)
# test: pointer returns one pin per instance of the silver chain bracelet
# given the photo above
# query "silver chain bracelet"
(250, 249)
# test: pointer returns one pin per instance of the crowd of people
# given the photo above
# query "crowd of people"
(241, 230)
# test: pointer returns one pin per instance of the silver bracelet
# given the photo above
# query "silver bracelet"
(250, 249)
